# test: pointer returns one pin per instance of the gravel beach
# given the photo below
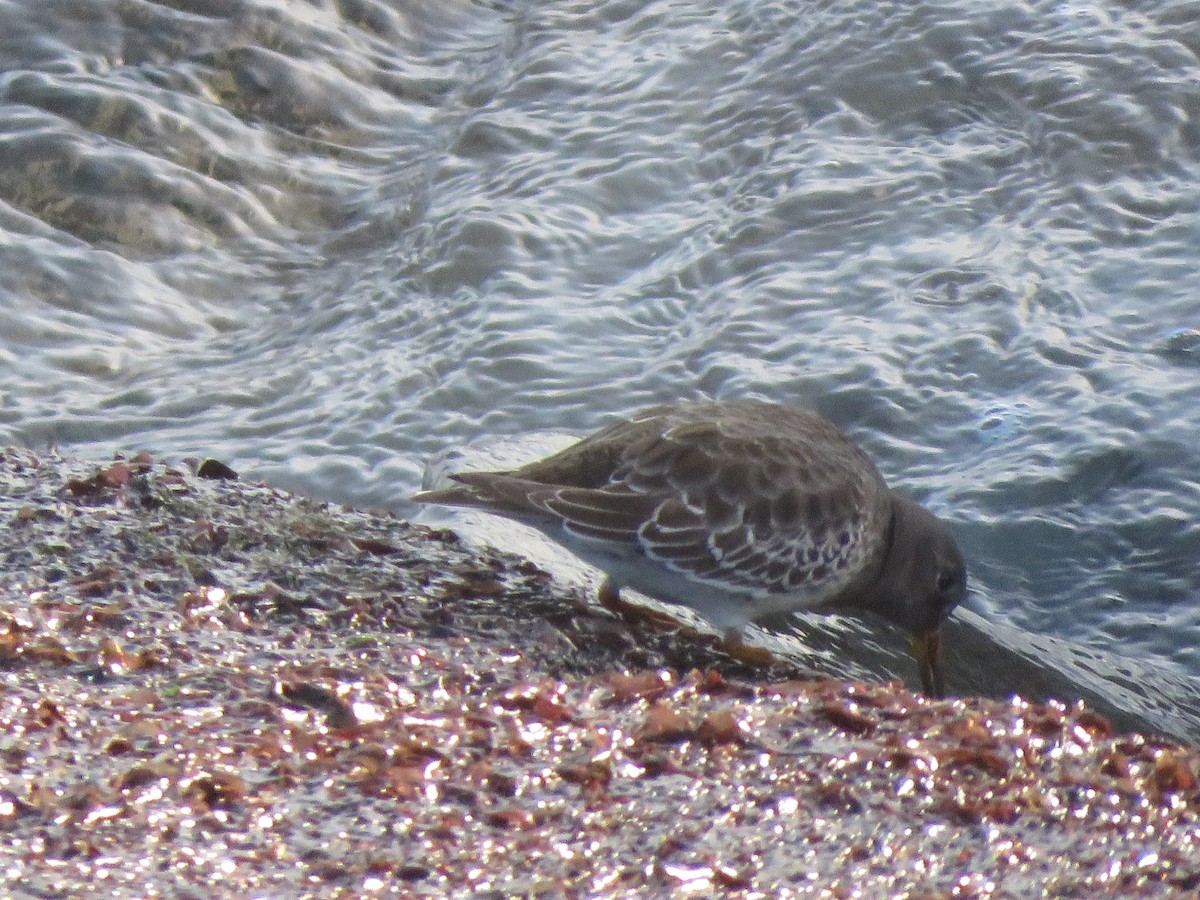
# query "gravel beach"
(215, 688)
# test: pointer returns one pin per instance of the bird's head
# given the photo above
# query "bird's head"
(922, 579)
(923, 575)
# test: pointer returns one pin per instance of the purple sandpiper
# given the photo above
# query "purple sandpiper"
(739, 510)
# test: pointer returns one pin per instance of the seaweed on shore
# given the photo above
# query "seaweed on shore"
(214, 688)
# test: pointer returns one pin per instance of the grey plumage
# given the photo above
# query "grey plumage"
(737, 509)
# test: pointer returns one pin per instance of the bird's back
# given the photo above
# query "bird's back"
(745, 496)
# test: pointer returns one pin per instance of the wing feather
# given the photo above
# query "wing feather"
(765, 502)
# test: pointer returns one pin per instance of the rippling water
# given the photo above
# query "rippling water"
(326, 240)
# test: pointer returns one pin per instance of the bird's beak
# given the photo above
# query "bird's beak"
(927, 648)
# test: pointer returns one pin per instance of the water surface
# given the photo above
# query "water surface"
(325, 241)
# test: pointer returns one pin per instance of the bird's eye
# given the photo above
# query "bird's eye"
(947, 580)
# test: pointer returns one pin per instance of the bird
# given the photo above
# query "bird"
(739, 510)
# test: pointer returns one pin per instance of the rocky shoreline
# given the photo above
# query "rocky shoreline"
(214, 688)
